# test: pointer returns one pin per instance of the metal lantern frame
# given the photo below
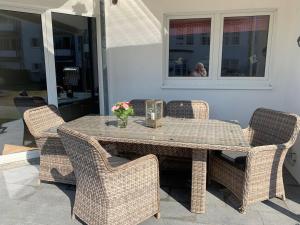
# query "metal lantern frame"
(154, 113)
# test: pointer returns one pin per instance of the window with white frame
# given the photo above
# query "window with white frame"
(218, 47)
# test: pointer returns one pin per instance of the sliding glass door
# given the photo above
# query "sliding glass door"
(23, 79)
(76, 65)
(22, 76)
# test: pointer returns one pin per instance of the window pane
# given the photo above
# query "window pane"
(22, 76)
(75, 48)
(189, 47)
(245, 41)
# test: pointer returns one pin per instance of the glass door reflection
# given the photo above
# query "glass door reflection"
(22, 77)
(76, 65)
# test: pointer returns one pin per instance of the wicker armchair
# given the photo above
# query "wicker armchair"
(125, 194)
(55, 165)
(188, 109)
(271, 134)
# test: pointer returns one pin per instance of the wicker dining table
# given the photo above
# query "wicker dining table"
(197, 135)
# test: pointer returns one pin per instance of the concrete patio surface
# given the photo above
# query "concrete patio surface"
(24, 202)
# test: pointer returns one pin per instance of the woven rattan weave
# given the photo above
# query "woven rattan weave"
(271, 134)
(110, 195)
(55, 165)
(194, 109)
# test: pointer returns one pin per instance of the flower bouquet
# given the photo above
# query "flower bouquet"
(122, 110)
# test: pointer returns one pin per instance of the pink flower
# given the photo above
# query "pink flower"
(114, 108)
(125, 105)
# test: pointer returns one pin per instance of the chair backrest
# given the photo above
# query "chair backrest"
(269, 127)
(24, 103)
(42, 118)
(139, 106)
(87, 157)
(194, 109)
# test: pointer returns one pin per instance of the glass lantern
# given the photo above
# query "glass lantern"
(154, 113)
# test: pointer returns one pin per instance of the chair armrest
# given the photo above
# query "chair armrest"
(50, 144)
(148, 160)
(246, 132)
(48, 135)
(263, 161)
(268, 148)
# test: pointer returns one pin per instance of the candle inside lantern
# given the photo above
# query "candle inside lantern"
(154, 113)
(152, 116)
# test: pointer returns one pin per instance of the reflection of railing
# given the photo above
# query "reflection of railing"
(78, 96)
(63, 52)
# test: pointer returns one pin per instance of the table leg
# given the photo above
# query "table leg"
(198, 181)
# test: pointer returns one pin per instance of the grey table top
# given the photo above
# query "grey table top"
(191, 133)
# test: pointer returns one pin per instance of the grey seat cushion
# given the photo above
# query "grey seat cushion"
(115, 161)
(237, 159)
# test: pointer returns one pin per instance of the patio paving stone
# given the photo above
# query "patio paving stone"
(25, 202)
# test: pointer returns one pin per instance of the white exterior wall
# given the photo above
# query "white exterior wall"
(135, 58)
(292, 96)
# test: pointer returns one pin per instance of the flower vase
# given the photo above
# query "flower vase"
(122, 122)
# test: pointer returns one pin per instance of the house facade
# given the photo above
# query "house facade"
(236, 55)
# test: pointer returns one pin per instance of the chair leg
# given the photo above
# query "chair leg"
(282, 197)
(73, 216)
(243, 209)
(283, 193)
(157, 215)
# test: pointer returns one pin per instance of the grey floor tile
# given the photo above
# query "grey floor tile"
(153, 221)
(179, 222)
(172, 210)
(227, 215)
(24, 202)
(283, 217)
(17, 191)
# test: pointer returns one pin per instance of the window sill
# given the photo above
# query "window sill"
(219, 85)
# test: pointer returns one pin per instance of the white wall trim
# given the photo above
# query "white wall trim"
(100, 60)
(49, 57)
(16, 157)
(70, 12)
(18, 7)
(219, 86)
